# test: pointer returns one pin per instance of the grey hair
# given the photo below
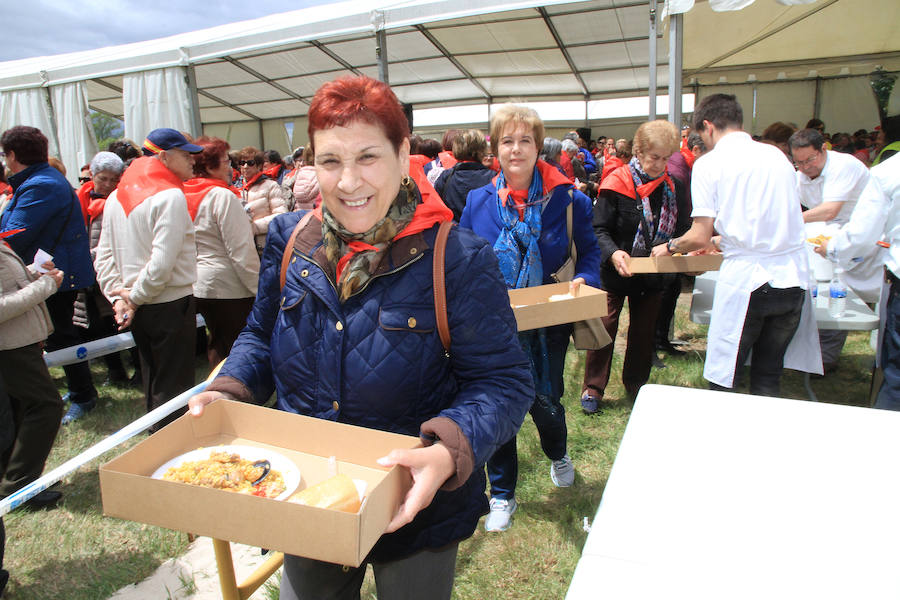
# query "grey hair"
(806, 137)
(569, 146)
(107, 161)
(552, 148)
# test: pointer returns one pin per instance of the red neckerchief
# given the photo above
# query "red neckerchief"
(272, 171)
(249, 184)
(689, 157)
(84, 199)
(195, 191)
(566, 163)
(620, 181)
(145, 177)
(431, 210)
(447, 159)
(5, 188)
(550, 178)
(610, 164)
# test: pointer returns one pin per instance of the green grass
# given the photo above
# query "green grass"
(74, 552)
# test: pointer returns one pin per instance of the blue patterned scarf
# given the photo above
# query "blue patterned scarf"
(668, 213)
(520, 264)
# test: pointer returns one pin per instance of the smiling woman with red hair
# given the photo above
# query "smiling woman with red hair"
(347, 330)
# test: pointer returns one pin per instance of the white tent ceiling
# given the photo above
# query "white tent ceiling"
(447, 52)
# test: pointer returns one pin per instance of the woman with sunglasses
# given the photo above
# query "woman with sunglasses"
(260, 195)
(522, 214)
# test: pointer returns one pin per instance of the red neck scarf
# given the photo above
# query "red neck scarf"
(272, 172)
(145, 177)
(195, 191)
(689, 157)
(620, 181)
(5, 188)
(430, 211)
(447, 159)
(249, 184)
(610, 164)
(84, 199)
(550, 178)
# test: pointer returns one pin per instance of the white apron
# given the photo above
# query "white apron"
(740, 274)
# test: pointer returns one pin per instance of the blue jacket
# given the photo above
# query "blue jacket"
(590, 163)
(481, 216)
(454, 184)
(377, 360)
(45, 206)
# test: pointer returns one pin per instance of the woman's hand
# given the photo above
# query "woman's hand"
(619, 260)
(574, 285)
(55, 274)
(123, 308)
(430, 467)
(198, 401)
(660, 250)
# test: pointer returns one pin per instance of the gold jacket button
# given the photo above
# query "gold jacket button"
(339, 326)
(335, 405)
(413, 250)
(411, 322)
(304, 273)
(293, 260)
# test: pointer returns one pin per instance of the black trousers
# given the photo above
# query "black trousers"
(61, 306)
(36, 413)
(166, 336)
(772, 319)
(225, 318)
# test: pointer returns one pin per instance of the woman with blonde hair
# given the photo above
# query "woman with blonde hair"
(522, 214)
(638, 207)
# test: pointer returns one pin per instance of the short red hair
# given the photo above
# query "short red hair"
(213, 151)
(349, 99)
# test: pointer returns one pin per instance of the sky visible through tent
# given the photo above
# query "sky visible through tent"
(55, 26)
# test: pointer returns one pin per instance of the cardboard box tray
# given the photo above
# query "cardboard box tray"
(675, 264)
(533, 308)
(129, 492)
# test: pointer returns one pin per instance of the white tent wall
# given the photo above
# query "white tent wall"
(77, 144)
(156, 98)
(30, 106)
(788, 102)
(848, 104)
(247, 133)
(238, 135)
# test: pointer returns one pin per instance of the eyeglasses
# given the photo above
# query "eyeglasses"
(84, 179)
(808, 161)
(249, 163)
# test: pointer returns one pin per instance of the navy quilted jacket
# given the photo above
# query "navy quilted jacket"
(377, 360)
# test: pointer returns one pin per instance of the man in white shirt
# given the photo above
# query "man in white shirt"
(747, 192)
(830, 183)
(146, 264)
(877, 218)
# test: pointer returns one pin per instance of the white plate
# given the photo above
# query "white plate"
(289, 471)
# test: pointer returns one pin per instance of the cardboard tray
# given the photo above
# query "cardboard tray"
(533, 309)
(129, 492)
(675, 264)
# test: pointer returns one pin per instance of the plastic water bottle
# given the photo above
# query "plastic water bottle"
(837, 300)
(813, 285)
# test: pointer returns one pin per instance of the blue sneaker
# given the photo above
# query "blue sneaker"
(590, 404)
(76, 411)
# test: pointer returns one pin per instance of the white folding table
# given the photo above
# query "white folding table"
(857, 316)
(720, 495)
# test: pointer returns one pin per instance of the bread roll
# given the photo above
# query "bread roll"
(338, 493)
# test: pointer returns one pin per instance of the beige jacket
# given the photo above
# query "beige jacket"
(262, 202)
(24, 318)
(227, 262)
(150, 252)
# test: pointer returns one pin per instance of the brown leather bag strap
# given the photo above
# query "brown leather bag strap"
(289, 249)
(440, 287)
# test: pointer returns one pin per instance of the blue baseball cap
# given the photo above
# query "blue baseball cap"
(166, 139)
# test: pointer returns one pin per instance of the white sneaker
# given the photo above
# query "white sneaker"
(501, 514)
(562, 472)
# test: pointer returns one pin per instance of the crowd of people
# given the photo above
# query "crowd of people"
(308, 274)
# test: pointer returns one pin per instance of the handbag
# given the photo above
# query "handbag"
(589, 334)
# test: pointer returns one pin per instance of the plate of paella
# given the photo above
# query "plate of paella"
(234, 468)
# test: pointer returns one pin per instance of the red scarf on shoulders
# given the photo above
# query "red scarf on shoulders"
(689, 157)
(621, 181)
(84, 199)
(145, 177)
(272, 172)
(195, 191)
(5, 188)
(249, 184)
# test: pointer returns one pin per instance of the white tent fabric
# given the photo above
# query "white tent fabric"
(29, 107)
(77, 144)
(153, 99)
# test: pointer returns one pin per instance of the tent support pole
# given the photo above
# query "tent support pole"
(676, 54)
(652, 41)
(381, 54)
(262, 136)
(817, 99)
(196, 123)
